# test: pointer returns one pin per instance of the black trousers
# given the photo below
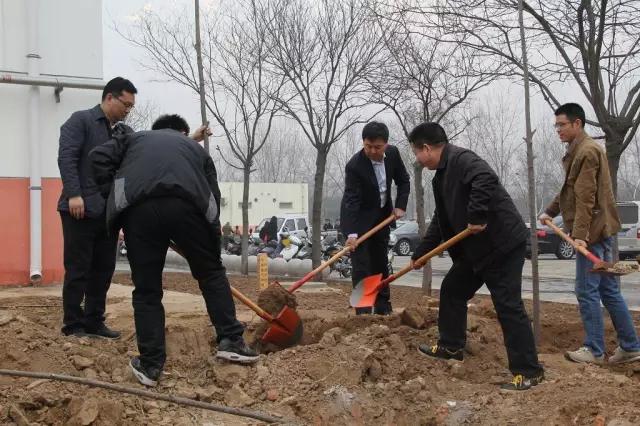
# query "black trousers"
(89, 262)
(148, 228)
(370, 258)
(503, 277)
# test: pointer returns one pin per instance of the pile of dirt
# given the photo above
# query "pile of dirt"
(273, 298)
(347, 370)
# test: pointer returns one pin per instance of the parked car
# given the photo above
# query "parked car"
(295, 224)
(550, 243)
(629, 235)
(405, 238)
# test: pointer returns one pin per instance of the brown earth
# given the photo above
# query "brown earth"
(347, 370)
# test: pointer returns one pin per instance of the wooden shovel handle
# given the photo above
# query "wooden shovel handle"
(236, 293)
(583, 250)
(250, 304)
(423, 259)
(341, 253)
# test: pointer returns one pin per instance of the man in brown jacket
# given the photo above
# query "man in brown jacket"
(588, 209)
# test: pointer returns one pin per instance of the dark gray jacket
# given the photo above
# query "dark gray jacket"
(467, 190)
(82, 132)
(155, 163)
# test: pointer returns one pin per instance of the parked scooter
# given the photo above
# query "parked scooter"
(305, 249)
(342, 265)
(234, 246)
(290, 246)
(255, 246)
(270, 249)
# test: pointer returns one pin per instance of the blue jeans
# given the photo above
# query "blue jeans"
(590, 290)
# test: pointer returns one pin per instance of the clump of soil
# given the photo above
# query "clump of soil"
(274, 298)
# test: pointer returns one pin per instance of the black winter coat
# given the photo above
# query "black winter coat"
(468, 191)
(156, 163)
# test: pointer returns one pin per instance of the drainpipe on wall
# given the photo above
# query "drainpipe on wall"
(35, 80)
(35, 178)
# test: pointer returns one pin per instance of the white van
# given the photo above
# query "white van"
(294, 223)
(629, 235)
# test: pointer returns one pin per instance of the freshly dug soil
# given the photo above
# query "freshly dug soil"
(348, 369)
(273, 298)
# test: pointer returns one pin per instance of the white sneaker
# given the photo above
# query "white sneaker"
(620, 356)
(584, 355)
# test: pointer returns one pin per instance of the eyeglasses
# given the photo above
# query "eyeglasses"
(561, 124)
(127, 105)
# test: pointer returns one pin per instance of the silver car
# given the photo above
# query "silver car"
(629, 235)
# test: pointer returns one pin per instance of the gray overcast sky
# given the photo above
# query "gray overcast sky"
(120, 58)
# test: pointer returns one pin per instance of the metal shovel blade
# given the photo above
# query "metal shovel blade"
(365, 292)
(285, 330)
(619, 268)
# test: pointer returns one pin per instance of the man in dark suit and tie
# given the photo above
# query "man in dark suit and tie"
(367, 201)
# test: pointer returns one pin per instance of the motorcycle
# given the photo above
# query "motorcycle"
(234, 246)
(255, 246)
(342, 265)
(270, 249)
(290, 246)
(305, 249)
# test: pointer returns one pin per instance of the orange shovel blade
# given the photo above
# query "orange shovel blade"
(285, 330)
(365, 292)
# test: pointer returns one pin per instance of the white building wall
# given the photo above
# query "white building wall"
(70, 45)
(265, 200)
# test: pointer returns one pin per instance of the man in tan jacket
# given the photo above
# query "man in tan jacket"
(588, 209)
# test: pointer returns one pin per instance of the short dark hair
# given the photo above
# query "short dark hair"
(375, 130)
(118, 85)
(429, 134)
(171, 121)
(573, 111)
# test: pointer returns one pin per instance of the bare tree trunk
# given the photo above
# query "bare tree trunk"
(244, 266)
(316, 213)
(203, 108)
(427, 272)
(613, 158)
(531, 182)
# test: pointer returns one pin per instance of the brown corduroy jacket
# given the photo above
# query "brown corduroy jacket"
(586, 199)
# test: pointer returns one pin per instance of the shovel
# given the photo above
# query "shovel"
(285, 329)
(599, 265)
(338, 255)
(365, 292)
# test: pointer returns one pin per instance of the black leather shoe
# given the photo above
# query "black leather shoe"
(102, 331)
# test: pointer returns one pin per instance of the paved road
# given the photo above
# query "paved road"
(557, 279)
